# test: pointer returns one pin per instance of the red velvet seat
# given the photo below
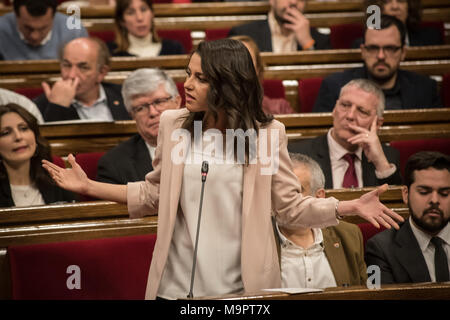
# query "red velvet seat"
(343, 35)
(30, 93)
(409, 147)
(112, 268)
(273, 88)
(105, 35)
(368, 230)
(308, 89)
(215, 34)
(88, 162)
(181, 35)
(445, 90)
(58, 161)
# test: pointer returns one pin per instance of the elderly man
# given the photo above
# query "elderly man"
(351, 154)
(420, 250)
(285, 30)
(147, 93)
(382, 52)
(35, 31)
(314, 257)
(81, 93)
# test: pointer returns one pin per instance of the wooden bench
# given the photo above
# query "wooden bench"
(398, 125)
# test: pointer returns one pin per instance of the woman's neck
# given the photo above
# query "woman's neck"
(220, 124)
(18, 174)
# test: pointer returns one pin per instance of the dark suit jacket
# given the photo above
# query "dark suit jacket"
(260, 32)
(343, 246)
(51, 194)
(317, 149)
(127, 162)
(168, 47)
(417, 91)
(398, 255)
(54, 112)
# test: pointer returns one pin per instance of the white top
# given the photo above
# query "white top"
(305, 268)
(24, 196)
(218, 266)
(428, 248)
(151, 150)
(144, 47)
(98, 111)
(340, 165)
(280, 42)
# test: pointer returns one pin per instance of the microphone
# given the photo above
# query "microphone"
(205, 169)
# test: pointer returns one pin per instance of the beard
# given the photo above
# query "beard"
(381, 78)
(424, 222)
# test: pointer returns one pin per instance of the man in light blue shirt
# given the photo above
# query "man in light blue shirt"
(35, 31)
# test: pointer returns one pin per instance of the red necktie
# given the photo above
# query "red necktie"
(350, 179)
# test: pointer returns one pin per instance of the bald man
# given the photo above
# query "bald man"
(81, 93)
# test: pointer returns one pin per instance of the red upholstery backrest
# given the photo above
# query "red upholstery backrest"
(409, 147)
(105, 35)
(308, 89)
(112, 268)
(30, 93)
(438, 25)
(215, 34)
(88, 162)
(343, 35)
(368, 230)
(181, 35)
(273, 88)
(58, 161)
(445, 90)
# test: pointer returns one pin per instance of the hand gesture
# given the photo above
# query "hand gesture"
(62, 92)
(371, 145)
(73, 179)
(298, 24)
(369, 207)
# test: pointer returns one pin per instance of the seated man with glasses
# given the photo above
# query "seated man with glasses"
(146, 94)
(382, 52)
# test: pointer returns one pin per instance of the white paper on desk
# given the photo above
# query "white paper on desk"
(293, 290)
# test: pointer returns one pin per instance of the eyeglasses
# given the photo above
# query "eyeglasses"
(388, 50)
(144, 108)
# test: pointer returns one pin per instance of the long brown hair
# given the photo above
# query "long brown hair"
(37, 174)
(121, 32)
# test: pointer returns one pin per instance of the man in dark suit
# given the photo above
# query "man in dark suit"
(382, 52)
(146, 93)
(420, 250)
(285, 30)
(81, 93)
(314, 257)
(351, 153)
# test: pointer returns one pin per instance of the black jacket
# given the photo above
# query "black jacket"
(168, 47)
(417, 91)
(317, 149)
(259, 31)
(127, 162)
(51, 194)
(55, 112)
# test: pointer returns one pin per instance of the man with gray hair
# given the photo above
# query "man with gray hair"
(314, 257)
(146, 94)
(351, 154)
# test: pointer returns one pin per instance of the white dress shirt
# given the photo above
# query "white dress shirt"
(305, 268)
(280, 42)
(428, 248)
(98, 111)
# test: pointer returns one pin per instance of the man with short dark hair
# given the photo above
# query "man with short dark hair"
(81, 93)
(420, 250)
(35, 31)
(285, 30)
(382, 52)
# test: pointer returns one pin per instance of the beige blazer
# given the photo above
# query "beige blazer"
(280, 192)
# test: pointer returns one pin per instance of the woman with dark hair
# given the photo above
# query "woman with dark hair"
(22, 148)
(410, 13)
(247, 183)
(136, 34)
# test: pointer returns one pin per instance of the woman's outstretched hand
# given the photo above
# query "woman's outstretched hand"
(369, 207)
(73, 179)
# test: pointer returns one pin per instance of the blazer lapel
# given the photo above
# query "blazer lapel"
(323, 158)
(336, 257)
(368, 173)
(409, 254)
